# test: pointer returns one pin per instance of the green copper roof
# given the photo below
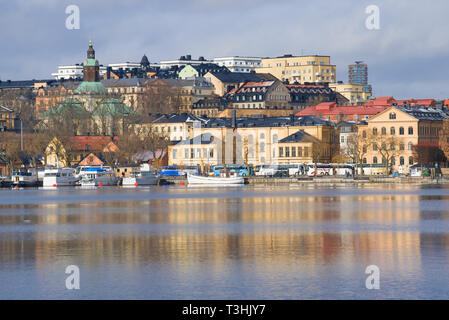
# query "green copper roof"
(71, 105)
(112, 107)
(91, 63)
(91, 87)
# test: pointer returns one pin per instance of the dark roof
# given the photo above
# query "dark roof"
(177, 118)
(299, 136)
(21, 83)
(425, 113)
(262, 121)
(205, 138)
(242, 76)
(144, 62)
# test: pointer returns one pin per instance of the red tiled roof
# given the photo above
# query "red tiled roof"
(93, 143)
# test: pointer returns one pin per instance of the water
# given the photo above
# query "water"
(262, 242)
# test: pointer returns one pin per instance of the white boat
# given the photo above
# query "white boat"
(57, 177)
(97, 176)
(24, 178)
(194, 179)
(145, 176)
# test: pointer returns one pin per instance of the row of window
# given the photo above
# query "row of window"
(195, 153)
(293, 152)
(392, 131)
(392, 147)
(392, 161)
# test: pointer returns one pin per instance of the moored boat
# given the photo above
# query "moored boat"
(57, 177)
(24, 178)
(145, 176)
(194, 179)
(98, 177)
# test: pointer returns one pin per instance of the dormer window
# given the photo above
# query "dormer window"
(392, 116)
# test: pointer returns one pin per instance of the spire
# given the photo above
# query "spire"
(90, 51)
(144, 62)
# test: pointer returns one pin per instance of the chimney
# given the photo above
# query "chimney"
(234, 119)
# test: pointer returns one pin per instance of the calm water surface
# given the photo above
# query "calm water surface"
(275, 242)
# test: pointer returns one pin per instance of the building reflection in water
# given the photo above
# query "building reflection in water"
(273, 233)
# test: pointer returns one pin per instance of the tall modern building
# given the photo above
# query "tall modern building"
(358, 74)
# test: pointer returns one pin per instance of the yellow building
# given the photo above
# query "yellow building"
(353, 92)
(300, 69)
(256, 141)
(395, 132)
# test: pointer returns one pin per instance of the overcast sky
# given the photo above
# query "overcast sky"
(407, 57)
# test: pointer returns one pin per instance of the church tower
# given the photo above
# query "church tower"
(91, 68)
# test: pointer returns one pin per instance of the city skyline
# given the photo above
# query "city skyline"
(406, 57)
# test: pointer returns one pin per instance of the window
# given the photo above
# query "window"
(410, 130)
(384, 131)
(186, 153)
(211, 153)
(393, 161)
(375, 131)
(365, 149)
(401, 146)
(281, 152)
(293, 152)
(374, 146)
(300, 152)
(364, 160)
(410, 160)
(401, 131)
(306, 151)
(364, 134)
(262, 147)
(175, 153)
(375, 160)
(192, 153)
(392, 131)
(342, 139)
(287, 152)
(392, 146)
(275, 138)
(410, 146)
(392, 116)
(401, 161)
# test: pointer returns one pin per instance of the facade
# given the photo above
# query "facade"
(8, 119)
(300, 69)
(256, 141)
(358, 75)
(175, 126)
(260, 95)
(239, 64)
(355, 93)
(331, 111)
(209, 106)
(303, 95)
(129, 90)
(400, 129)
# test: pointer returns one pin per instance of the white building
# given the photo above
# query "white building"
(239, 64)
(124, 65)
(182, 61)
(73, 72)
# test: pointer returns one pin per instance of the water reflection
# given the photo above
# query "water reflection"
(282, 239)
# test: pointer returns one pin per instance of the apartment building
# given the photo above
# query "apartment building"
(299, 69)
(397, 130)
(239, 64)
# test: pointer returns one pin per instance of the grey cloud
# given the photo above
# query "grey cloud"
(406, 57)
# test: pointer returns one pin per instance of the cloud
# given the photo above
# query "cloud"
(406, 57)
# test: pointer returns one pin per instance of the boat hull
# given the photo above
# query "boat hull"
(141, 181)
(192, 179)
